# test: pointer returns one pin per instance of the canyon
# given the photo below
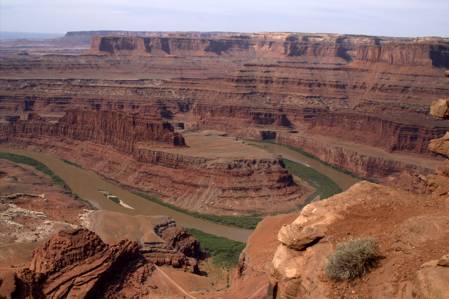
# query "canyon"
(140, 152)
(48, 252)
(408, 220)
(303, 88)
(173, 115)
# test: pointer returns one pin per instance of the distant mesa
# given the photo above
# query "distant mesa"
(348, 48)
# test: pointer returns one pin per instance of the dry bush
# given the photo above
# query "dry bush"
(352, 259)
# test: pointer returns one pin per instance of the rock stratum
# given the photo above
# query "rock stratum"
(394, 51)
(77, 263)
(55, 246)
(297, 86)
(137, 151)
(408, 222)
(360, 103)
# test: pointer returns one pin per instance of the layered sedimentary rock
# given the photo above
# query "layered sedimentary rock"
(440, 108)
(432, 51)
(364, 161)
(32, 209)
(316, 84)
(300, 260)
(78, 264)
(413, 248)
(122, 131)
(137, 153)
(161, 240)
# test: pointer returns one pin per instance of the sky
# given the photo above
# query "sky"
(371, 17)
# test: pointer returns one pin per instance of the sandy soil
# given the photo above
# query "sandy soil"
(87, 185)
(214, 145)
(27, 220)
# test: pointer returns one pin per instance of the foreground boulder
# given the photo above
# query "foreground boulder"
(409, 229)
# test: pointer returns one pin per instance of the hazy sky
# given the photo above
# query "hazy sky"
(375, 17)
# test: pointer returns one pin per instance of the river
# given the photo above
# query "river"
(343, 180)
(87, 184)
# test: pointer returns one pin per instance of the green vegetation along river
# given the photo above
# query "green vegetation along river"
(87, 185)
(336, 177)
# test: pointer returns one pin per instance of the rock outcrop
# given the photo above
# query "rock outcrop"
(32, 208)
(181, 241)
(411, 230)
(78, 264)
(431, 279)
(440, 108)
(299, 262)
(347, 48)
(122, 131)
(315, 84)
(139, 152)
(441, 145)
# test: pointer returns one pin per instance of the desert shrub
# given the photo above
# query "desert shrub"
(352, 259)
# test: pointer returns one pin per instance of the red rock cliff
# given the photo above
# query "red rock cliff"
(118, 129)
(395, 51)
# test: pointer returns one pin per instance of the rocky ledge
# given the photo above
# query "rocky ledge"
(411, 230)
(78, 264)
(136, 151)
(395, 51)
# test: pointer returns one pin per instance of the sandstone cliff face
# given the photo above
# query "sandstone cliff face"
(78, 264)
(358, 161)
(410, 228)
(210, 186)
(167, 46)
(315, 83)
(401, 137)
(120, 147)
(300, 260)
(347, 48)
(390, 135)
(441, 145)
(120, 130)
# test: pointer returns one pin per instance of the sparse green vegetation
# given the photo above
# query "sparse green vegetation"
(114, 199)
(311, 156)
(352, 259)
(247, 221)
(224, 252)
(325, 187)
(37, 165)
(72, 163)
(20, 159)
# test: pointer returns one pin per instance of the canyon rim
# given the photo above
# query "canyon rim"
(224, 163)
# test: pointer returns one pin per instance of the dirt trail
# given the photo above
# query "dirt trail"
(174, 283)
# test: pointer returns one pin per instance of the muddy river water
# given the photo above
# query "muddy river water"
(87, 184)
(343, 180)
